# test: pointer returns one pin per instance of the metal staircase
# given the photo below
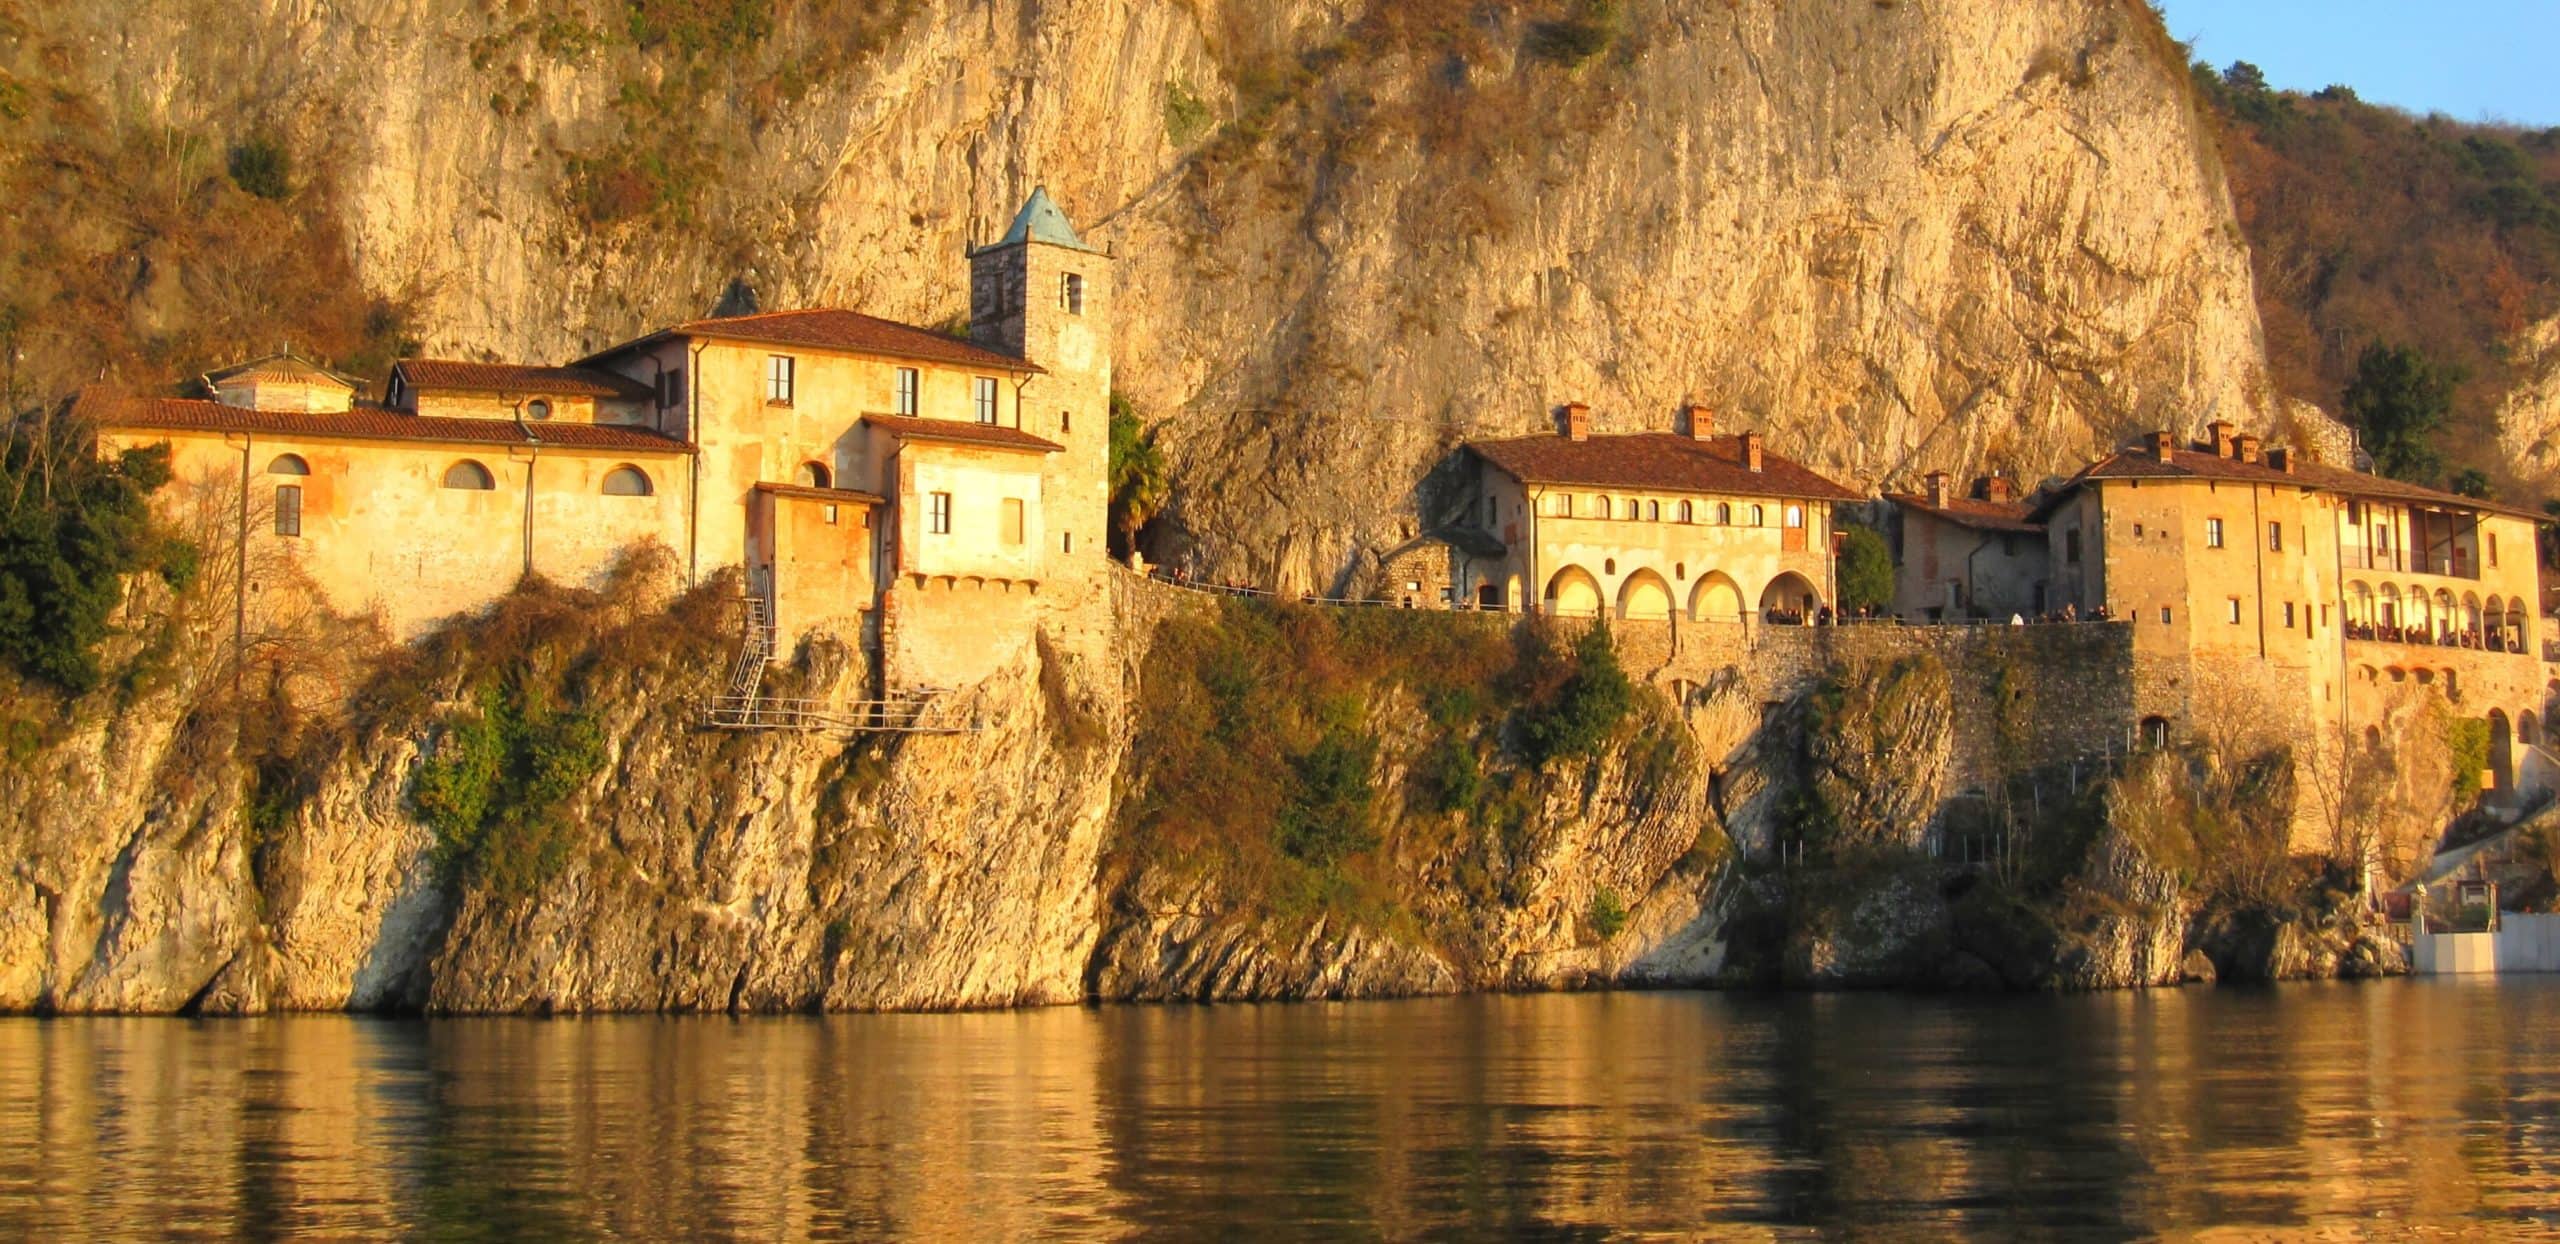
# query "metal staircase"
(742, 704)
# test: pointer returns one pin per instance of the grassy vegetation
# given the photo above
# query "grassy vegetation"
(1336, 760)
(2466, 739)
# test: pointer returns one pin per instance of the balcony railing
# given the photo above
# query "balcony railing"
(2376, 632)
(2455, 564)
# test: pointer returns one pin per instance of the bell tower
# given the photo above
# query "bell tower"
(1043, 294)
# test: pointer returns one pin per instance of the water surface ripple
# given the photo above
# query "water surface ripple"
(2408, 1108)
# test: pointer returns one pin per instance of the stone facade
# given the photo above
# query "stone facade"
(848, 465)
(1648, 526)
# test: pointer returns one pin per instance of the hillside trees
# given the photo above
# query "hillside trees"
(1139, 476)
(72, 525)
(1866, 570)
(2400, 398)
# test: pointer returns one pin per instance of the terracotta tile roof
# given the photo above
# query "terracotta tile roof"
(1969, 512)
(450, 376)
(1659, 460)
(2205, 464)
(282, 366)
(366, 423)
(833, 328)
(840, 496)
(994, 436)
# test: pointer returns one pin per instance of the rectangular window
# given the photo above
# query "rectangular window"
(2213, 533)
(1067, 542)
(1071, 293)
(780, 373)
(2288, 615)
(2493, 548)
(986, 395)
(1013, 520)
(831, 515)
(937, 513)
(1066, 422)
(288, 509)
(2164, 615)
(2275, 537)
(2071, 545)
(906, 390)
(671, 388)
(2232, 614)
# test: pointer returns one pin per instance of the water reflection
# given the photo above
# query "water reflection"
(2323, 1107)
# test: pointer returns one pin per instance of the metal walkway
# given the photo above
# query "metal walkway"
(742, 705)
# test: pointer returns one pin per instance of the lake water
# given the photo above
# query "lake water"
(2388, 1109)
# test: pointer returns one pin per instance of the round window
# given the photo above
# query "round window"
(537, 410)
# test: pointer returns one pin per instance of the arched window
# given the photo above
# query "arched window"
(1604, 507)
(1724, 513)
(1680, 571)
(1758, 516)
(2155, 732)
(1653, 511)
(1609, 566)
(288, 464)
(814, 475)
(1795, 516)
(537, 410)
(1688, 512)
(627, 481)
(469, 476)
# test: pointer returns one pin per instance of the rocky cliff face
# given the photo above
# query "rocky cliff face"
(1896, 235)
(164, 858)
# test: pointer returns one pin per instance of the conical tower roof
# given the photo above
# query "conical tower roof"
(1041, 221)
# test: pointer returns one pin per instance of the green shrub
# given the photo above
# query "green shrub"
(72, 525)
(1332, 812)
(1866, 570)
(1608, 913)
(1569, 41)
(496, 788)
(262, 166)
(1186, 116)
(2466, 741)
(1585, 710)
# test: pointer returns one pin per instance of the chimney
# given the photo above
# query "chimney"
(2281, 459)
(1997, 490)
(2247, 446)
(1937, 481)
(1751, 450)
(1700, 421)
(2162, 445)
(1577, 421)
(2220, 430)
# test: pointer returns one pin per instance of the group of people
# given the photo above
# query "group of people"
(2449, 637)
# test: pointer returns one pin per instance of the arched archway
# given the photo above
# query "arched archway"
(2471, 618)
(2360, 604)
(2421, 619)
(2155, 732)
(1644, 597)
(1573, 593)
(2502, 743)
(2528, 729)
(814, 475)
(1789, 593)
(1717, 598)
(2516, 641)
